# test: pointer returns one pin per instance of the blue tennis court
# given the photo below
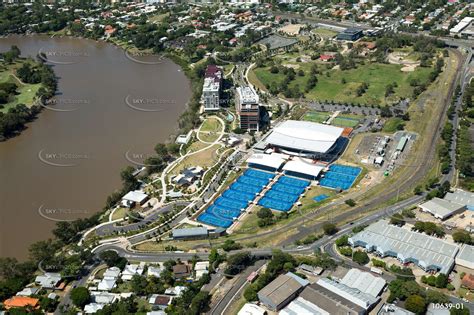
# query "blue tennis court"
(252, 181)
(321, 197)
(340, 176)
(344, 169)
(238, 195)
(222, 213)
(213, 220)
(288, 189)
(278, 195)
(246, 188)
(231, 203)
(275, 204)
(293, 181)
(259, 174)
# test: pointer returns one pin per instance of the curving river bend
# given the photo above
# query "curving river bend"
(110, 108)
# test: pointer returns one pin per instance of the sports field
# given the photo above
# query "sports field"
(341, 85)
(317, 117)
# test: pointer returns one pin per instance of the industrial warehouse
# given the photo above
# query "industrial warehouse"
(429, 253)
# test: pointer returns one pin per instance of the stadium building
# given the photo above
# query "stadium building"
(308, 139)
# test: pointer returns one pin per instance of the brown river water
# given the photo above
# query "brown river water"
(111, 108)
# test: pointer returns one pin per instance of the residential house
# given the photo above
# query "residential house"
(21, 301)
(28, 291)
(181, 271)
(154, 271)
(160, 301)
(131, 270)
(49, 280)
(201, 268)
(175, 291)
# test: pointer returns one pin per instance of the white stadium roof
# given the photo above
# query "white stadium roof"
(269, 160)
(305, 136)
(303, 166)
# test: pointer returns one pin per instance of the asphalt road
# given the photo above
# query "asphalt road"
(113, 228)
(221, 306)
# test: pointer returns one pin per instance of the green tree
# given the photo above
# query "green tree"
(360, 257)
(416, 304)
(441, 281)
(80, 296)
(329, 228)
(342, 241)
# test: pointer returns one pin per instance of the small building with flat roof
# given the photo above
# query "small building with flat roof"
(304, 168)
(350, 34)
(441, 208)
(281, 291)
(401, 144)
(465, 256)
(190, 233)
(268, 162)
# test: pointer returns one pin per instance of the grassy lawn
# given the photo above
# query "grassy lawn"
(393, 124)
(209, 136)
(211, 124)
(204, 159)
(26, 94)
(157, 18)
(307, 201)
(324, 32)
(345, 122)
(119, 213)
(317, 117)
(331, 88)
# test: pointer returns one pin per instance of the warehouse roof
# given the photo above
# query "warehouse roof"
(427, 250)
(441, 208)
(359, 298)
(364, 282)
(466, 253)
(280, 289)
(460, 196)
(269, 160)
(303, 166)
(305, 136)
(329, 301)
(301, 306)
(251, 309)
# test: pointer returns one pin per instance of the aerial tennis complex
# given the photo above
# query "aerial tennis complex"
(296, 157)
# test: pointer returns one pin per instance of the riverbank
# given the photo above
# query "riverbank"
(24, 85)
